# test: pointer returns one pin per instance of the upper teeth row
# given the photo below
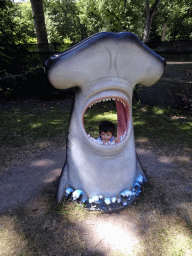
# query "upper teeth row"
(106, 99)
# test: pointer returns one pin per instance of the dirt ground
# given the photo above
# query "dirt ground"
(30, 185)
(32, 223)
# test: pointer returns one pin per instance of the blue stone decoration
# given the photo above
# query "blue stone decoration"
(100, 203)
(77, 195)
(68, 192)
(140, 179)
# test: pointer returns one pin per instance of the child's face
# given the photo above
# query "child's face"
(106, 135)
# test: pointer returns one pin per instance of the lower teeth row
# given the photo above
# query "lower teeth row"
(107, 143)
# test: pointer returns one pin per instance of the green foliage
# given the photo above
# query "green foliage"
(123, 16)
(62, 21)
(25, 20)
(177, 15)
(128, 15)
(112, 16)
(15, 28)
(90, 14)
(69, 22)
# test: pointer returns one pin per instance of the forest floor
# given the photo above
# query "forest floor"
(31, 221)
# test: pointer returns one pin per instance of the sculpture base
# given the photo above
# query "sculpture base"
(103, 204)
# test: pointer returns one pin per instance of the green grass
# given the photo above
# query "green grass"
(161, 218)
(163, 127)
(41, 227)
(27, 129)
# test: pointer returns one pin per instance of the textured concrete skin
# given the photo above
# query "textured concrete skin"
(104, 66)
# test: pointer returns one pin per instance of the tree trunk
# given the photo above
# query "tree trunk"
(149, 17)
(39, 20)
(164, 30)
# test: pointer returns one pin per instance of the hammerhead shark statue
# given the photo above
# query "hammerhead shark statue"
(105, 66)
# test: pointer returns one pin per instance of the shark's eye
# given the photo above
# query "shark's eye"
(112, 109)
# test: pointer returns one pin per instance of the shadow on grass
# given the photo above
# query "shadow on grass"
(163, 127)
(159, 223)
(42, 227)
(31, 126)
(150, 226)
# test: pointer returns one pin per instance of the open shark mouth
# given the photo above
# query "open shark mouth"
(123, 118)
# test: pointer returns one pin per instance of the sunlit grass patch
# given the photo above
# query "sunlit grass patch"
(74, 212)
(168, 236)
(11, 241)
(157, 124)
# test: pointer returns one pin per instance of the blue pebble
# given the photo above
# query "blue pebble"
(69, 191)
(136, 184)
(108, 201)
(77, 194)
(139, 179)
(114, 199)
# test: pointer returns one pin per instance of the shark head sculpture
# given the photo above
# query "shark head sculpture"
(105, 66)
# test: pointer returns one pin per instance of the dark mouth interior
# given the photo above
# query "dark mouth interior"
(113, 109)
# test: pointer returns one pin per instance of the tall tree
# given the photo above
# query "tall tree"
(39, 20)
(62, 21)
(112, 15)
(173, 21)
(150, 12)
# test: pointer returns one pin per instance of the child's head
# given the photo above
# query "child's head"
(106, 130)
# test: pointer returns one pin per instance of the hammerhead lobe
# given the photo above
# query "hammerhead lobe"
(105, 66)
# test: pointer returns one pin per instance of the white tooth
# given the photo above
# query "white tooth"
(118, 200)
(113, 98)
(97, 141)
(107, 99)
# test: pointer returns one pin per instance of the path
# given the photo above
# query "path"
(110, 231)
(20, 183)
